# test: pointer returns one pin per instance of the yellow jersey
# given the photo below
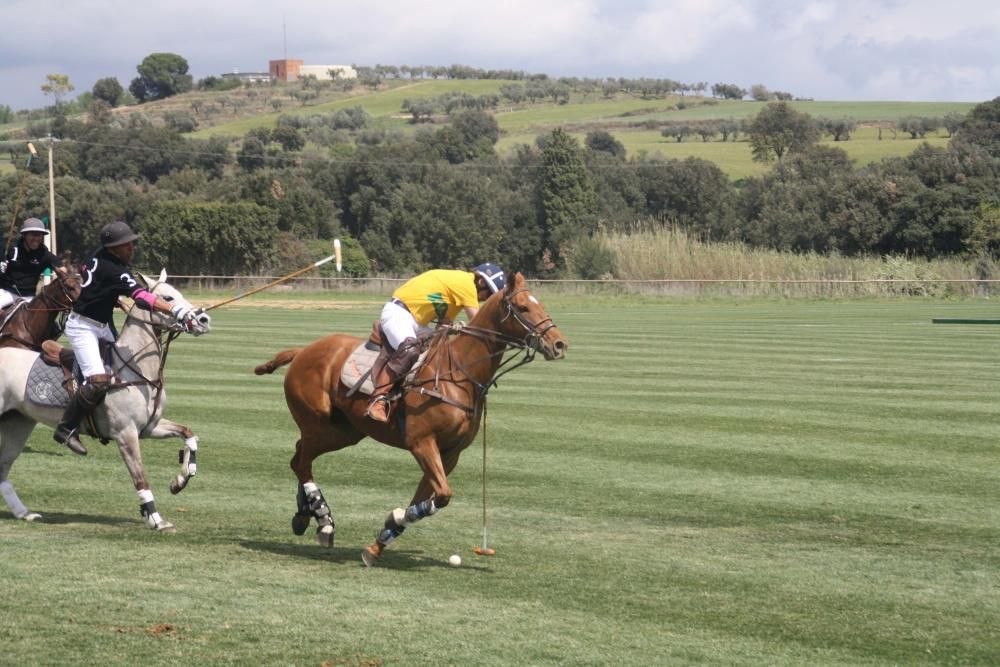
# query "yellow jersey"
(438, 294)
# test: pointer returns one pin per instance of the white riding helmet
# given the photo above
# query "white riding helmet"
(33, 225)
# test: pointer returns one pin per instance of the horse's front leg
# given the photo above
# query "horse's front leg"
(186, 457)
(433, 493)
(128, 445)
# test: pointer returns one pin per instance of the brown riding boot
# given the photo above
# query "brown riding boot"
(378, 409)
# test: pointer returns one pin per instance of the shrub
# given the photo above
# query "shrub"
(591, 259)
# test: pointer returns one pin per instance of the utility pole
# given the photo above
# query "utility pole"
(52, 202)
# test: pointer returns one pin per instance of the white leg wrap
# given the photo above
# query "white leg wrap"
(310, 487)
(190, 467)
(145, 496)
(13, 502)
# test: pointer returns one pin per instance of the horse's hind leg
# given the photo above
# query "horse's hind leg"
(189, 467)
(14, 431)
(317, 439)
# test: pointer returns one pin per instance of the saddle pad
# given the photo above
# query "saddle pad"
(360, 362)
(45, 386)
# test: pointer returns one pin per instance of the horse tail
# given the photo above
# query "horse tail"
(280, 359)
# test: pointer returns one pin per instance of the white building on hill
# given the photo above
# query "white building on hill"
(322, 72)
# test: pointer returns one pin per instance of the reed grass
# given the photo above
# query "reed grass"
(671, 260)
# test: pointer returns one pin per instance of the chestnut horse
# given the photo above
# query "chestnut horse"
(436, 418)
(33, 322)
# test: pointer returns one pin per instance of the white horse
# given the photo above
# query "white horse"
(131, 410)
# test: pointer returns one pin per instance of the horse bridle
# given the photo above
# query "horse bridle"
(530, 343)
(42, 296)
(533, 336)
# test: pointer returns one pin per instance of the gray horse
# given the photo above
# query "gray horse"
(132, 409)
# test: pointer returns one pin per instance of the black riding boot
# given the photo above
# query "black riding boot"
(81, 405)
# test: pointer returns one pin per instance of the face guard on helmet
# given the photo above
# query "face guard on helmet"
(117, 233)
(492, 275)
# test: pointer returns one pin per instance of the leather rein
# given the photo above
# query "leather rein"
(529, 343)
(161, 336)
(54, 303)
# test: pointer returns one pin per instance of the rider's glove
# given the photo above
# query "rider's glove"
(184, 315)
(3, 266)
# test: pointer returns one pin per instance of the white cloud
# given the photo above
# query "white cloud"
(846, 49)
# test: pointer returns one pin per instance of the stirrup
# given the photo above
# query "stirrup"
(70, 438)
(373, 407)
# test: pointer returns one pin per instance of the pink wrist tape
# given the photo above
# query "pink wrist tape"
(145, 297)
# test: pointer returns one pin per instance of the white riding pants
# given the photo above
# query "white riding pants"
(7, 298)
(85, 333)
(398, 324)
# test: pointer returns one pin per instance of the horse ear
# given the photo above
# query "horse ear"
(163, 276)
(516, 282)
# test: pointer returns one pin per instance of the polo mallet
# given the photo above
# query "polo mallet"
(20, 195)
(485, 549)
(273, 283)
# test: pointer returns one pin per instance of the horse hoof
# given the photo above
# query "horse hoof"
(166, 528)
(299, 524)
(177, 484)
(32, 516)
(324, 536)
(368, 557)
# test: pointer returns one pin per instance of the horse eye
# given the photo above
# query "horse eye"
(168, 298)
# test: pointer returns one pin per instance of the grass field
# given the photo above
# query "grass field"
(699, 482)
(734, 157)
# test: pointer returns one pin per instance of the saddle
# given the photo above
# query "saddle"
(55, 377)
(367, 358)
(55, 355)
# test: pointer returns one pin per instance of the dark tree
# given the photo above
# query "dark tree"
(161, 75)
(605, 142)
(982, 127)
(109, 90)
(780, 129)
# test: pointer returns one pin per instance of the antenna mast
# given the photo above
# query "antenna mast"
(284, 36)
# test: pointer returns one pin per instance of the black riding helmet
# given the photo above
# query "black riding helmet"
(117, 233)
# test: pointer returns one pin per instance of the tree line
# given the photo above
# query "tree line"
(443, 196)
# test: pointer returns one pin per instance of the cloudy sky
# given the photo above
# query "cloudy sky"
(824, 49)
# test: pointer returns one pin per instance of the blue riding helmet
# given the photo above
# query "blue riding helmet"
(493, 275)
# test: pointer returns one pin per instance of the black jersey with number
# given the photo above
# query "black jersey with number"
(105, 278)
(24, 267)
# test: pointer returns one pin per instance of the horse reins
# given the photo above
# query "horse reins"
(528, 344)
(162, 349)
(30, 307)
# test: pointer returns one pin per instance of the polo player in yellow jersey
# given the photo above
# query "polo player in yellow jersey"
(440, 295)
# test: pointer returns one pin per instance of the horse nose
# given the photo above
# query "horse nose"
(559, 348)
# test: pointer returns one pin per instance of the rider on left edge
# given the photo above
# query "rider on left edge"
(106, 276)
(25, 263)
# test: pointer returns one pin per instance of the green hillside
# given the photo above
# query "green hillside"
(631, 119)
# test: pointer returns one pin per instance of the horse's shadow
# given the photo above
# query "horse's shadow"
(395, 559)
(59, 518)
(28, 449)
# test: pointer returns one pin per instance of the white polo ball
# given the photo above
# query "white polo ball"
(455, 560)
